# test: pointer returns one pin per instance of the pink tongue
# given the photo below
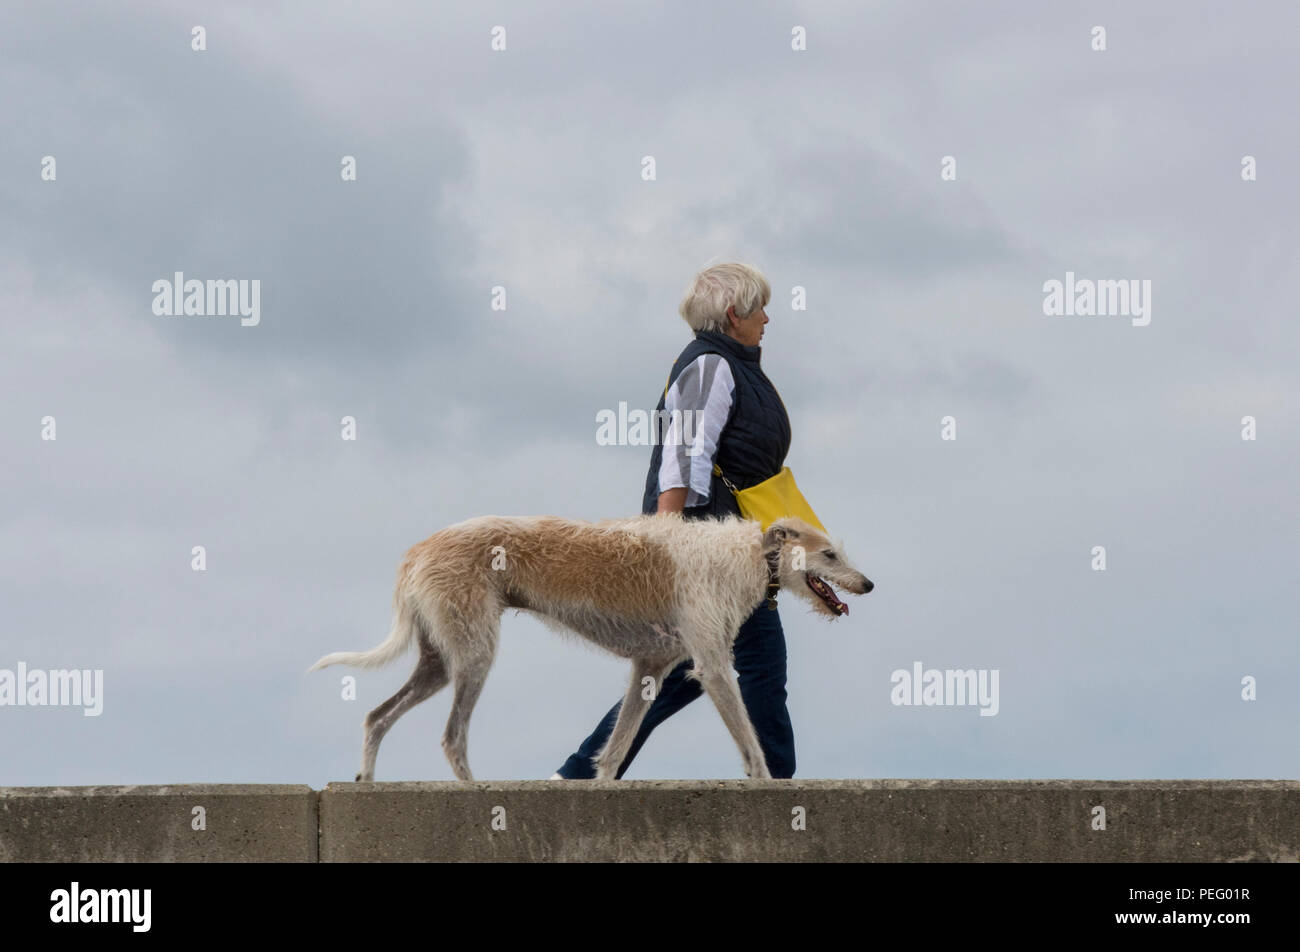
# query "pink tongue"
(827, 594)
(835, 602)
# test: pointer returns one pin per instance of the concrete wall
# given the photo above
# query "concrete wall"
(248, 823)
(844, 820)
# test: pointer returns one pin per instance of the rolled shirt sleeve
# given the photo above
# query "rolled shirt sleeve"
(696, 408)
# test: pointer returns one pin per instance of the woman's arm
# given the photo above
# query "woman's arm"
(698, 404)
(672, 500)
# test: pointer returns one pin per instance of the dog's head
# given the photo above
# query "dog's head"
(809, 564)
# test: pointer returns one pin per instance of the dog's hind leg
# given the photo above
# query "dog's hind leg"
(475, 644)
(455, 739)
(630, 715)
(428, 678)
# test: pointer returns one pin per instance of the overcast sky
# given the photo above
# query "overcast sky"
(522, 169)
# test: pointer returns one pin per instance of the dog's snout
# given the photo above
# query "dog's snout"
(867, 585)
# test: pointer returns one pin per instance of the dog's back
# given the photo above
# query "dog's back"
(620, 583)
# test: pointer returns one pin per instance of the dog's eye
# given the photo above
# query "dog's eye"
(829, 555)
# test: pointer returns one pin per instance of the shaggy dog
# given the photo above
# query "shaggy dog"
(654, 589)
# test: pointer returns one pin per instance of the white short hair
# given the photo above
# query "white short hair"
(716, 288)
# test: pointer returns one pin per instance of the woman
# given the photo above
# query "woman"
(742, 427)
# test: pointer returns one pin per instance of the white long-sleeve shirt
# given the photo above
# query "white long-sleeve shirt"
(703, 394)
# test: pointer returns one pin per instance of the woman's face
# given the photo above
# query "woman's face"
(747, 330)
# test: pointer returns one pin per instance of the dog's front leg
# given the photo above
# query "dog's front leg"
(720, 684)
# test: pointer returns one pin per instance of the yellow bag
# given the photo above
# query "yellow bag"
(772, 499)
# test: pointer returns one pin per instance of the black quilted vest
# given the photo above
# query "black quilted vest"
(754, 441)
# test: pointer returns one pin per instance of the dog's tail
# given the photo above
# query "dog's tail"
(398, 641)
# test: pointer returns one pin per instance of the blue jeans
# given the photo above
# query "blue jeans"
(760, 663)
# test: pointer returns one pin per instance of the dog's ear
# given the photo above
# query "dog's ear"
(775, 535)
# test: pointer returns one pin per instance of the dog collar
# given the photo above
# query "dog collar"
(773, 577)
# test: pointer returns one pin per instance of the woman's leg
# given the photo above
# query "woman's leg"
(674, 694)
